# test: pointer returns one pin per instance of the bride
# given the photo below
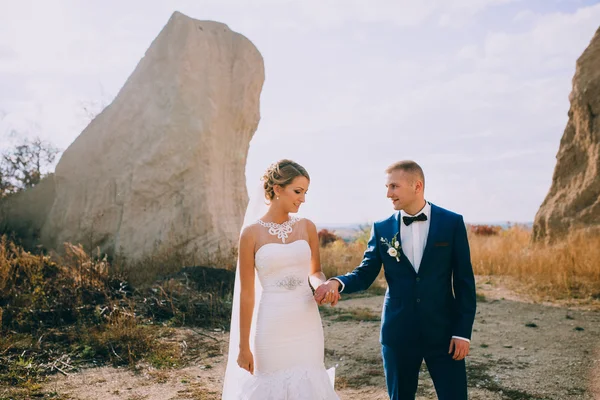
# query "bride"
(276, 346)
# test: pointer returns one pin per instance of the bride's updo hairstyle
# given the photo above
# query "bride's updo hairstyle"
(281, 173)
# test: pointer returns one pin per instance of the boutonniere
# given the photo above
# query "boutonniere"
(393, 247)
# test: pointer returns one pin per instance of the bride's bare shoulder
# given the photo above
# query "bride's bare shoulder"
(249, 231)
(308, 224)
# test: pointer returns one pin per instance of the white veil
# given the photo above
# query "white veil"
(235, 377)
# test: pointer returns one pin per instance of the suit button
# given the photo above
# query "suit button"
(418, 300)
(418, 279)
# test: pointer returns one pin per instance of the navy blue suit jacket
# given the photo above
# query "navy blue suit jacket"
(430, 306)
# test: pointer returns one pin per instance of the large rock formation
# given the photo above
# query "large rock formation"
(162, 168)
(573, 202)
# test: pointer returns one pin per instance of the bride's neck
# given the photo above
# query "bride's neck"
(276, 215)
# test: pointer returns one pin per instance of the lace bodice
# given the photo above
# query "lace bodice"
(282, 256)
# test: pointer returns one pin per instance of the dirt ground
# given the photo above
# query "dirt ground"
(520, 350)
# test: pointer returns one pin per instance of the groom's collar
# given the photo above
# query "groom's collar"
(431, 208)
(425, 210)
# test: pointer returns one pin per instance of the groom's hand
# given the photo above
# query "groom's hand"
(460, 348)
(328, 292)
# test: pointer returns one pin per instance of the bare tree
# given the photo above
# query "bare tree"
(23, 166)
(6, 186)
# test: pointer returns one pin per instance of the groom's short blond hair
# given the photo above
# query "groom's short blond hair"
(408, 166)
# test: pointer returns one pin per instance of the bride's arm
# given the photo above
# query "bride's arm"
(246, 266)
(316, 277)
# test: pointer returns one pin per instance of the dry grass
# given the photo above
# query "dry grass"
(38, 291)
(566, 270)
(58, 314)
(338, 258)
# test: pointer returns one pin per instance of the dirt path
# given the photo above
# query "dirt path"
(520, 351)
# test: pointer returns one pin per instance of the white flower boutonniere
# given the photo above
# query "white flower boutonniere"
(393, 247)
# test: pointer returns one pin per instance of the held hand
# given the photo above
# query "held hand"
(246, 360)
(328, 293)
(460, 348)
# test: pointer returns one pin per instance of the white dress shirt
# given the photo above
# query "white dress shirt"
(413, 239)
(414, 236)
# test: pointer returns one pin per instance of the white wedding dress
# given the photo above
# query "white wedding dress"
(287, 336)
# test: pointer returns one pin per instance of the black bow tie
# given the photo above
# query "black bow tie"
(409, 220)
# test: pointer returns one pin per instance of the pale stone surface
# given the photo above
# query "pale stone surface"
(162, 168)
(573, 202)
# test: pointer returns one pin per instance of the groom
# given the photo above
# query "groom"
(429, 306)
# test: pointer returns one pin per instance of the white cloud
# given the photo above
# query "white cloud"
(554, 42)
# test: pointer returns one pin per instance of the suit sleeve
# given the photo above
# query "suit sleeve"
(364, 275)
(463, 282)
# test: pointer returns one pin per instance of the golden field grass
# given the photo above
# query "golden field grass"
(569, 269)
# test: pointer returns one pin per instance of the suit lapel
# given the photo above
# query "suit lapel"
(396, 227)
(396, 231)
(434, 225)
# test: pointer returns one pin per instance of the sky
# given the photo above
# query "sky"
(475, 91)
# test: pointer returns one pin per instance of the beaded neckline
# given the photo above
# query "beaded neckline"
(283, 230)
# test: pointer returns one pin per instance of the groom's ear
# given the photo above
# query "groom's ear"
(419, 185)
